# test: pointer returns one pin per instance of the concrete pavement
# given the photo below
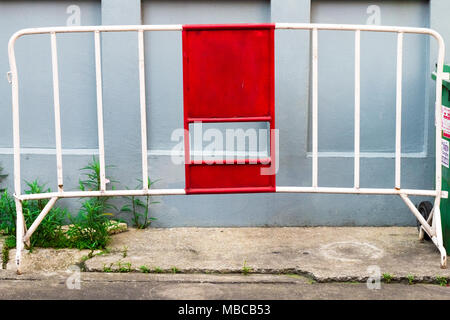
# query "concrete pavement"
(325, 254)
(201, 286)
(209, 263)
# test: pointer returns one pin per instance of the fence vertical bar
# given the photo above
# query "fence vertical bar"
(315, 115)
(101, 141)
(20, 223)
(438, 176)
(398, 111)
(357, 106)
(57, 112)
(143, 109)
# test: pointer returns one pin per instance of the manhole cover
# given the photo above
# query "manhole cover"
(351, 251)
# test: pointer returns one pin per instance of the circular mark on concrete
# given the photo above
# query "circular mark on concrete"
(351, 251)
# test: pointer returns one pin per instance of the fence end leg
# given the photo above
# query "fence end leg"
(443, 258)
(19, 235)
(438, 238)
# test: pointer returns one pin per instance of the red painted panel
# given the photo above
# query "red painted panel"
(237, 178)
(228, 75)
(228, 71)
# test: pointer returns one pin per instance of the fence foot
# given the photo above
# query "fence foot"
(434, 231)
(439, 241)
(20, 228)
(18, 260)
(443, 258)
(443, 253)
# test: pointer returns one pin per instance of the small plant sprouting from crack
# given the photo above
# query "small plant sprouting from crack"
(124, 267)
(246, 269)
(158, 270)
(175, 270)
(442, 281)
(410, 278)
(144, 269)
(82, 263)
(107, 268)
(140, 209)
(125, 251)
(387, 277)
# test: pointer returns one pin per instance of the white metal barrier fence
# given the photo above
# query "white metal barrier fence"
(432, 227)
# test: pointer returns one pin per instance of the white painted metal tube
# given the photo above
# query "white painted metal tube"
(107, 193)
(438, 176)
(438, 112)
(417, 214)
(286, 189)
(56, 104)
(373, 191)
(179, 27)
(101, 139)
(315, 114)
(398, 111)
(114, 28)
(143, 109)
(429, 220)
(20, 225)
(39, 219)
(16, 115)
(357, 107)
(438, 224)
(353, 27)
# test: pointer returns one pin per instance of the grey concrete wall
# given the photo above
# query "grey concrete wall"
(164, 99)
(77, 91)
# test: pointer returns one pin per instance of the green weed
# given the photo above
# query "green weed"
(144, 269)
(89, 229)
(107, 268)
(158, 270)
(442, 281)
(90, 226)
(140, 209)
(387, 277)
(245, 269)
(124, 267)
(49, 232)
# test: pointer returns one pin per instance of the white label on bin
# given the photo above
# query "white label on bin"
(446, 121)
(445, 153)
